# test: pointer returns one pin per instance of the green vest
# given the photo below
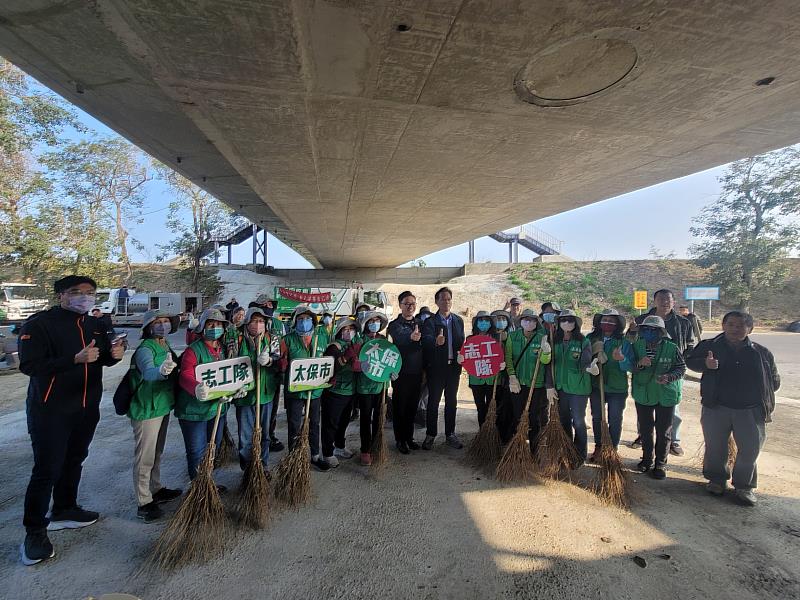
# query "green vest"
(152, 398)
(570, 376)
(615, 380)
(345, 378)
(526, 363)
(187, 406)
(296, 349)
(645, 389)
(266, 375)
(365, 385)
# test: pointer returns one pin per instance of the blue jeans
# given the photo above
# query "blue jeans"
(246, 418)
(676, 425)
(616, 406)
(196, 436)
(572, 410)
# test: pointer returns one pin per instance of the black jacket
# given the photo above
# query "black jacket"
(679, 328)
(769, 382)
(48, 344)
(401, 329)
(436, 356)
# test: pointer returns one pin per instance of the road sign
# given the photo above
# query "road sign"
(482, 355)
(379, 359)
(224, 377)
(701, 293)
(640, 299)
(310, 373)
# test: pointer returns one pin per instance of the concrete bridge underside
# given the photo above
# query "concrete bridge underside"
(366, 133)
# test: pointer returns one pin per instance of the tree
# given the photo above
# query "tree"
(753, 226)
(193, 238)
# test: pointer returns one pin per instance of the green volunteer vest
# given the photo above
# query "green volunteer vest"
(296, 349)
(614, 378)
(645, 389)
(570, 376)
(187, 406)
(345, 378)
(152, 398)
(365, 385)
(266, 375)
(526, 363)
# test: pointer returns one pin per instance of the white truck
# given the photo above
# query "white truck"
(130, 309)
(18, 301)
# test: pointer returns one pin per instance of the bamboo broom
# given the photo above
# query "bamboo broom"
(486, 447)
(611, 479)
(378, 448)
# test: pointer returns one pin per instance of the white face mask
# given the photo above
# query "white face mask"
(528, 325)
(346, 335)
(566, 325)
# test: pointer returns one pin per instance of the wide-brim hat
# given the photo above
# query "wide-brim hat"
(570, 313)
(210, 314)
(554, 305)
(152, 315)
(609, 312)
(301, 309)
(254, 311)
(657, 323)
(482, 314)
(343, 322)
(371, 315)
(264, 298)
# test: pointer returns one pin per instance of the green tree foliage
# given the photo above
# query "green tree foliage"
(745, 235)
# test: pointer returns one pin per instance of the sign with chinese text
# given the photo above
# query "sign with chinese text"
(640, 299)
(224, 377)
(482, 355)
(307, 374)
(379, 359)
(701, 293)
(305, 297)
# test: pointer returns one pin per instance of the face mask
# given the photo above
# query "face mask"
(268, 311)
(361, 314)
(484, 325)
(528, 325)
(549, 317)
(160, 329)
(214, 333)
(346, 335)
(566, 325)
(608, 328)
(424, 316)
(80, 304)
(257, 328)
(374, 327)
(650, 335)
(303, 325)
(501, 324)
(327, 320)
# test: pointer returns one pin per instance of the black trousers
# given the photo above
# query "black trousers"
(482, 394)
(273, 416)
(60, 445)
(505, 412)
(537, 414)
(405, 398)
(294, 417)
(335, 418)
(369, 406)
(658, 418)
(442, 379)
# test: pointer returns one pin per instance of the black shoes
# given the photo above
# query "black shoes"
(149, 512)
(36, 547)
(675, 449)
(412, 445)
(166, 495)
(320, 464)
(658, 473)
(643, 467)
(71, 518)
(402, 447)
(275, 446)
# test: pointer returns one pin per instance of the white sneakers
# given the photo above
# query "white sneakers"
(342, 453)
(332, 461)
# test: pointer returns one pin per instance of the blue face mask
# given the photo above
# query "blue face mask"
(361, 314)
(549, 317)
(374, 327)
(501, 324)
(213, 333)
(650, 335)
(483, 325)
(161, 329)
(423, 316)
(304, 325)
(327, 320)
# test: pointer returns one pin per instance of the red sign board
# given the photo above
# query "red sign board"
(482, 355)
(305, 296)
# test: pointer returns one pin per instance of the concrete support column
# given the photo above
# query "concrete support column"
(471, 251)
(516, 251)
(264, 246)
(511, 252)
(254, 233)
(229, 254)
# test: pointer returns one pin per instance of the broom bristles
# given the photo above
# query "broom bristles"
(517, 462)
(699, 458)
(255, 491)
(611, 479)
(197, 529)
(292, 475)
(556, 455)
(378, 449)
(485, 448)
(227, 449)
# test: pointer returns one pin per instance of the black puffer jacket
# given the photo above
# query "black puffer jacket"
(48, 344)
(401, 329)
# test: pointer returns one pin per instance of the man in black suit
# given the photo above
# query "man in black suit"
(442, 338)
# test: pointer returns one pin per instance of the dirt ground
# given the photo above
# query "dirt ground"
(429, 527)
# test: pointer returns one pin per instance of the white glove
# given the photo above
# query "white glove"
(275, 345)
(503, 366)
(193, 323)
(394, 376)
(593, 369)
(546, 349)
(460, 358)
(240, 394)
(264, 359)
(552, 395)
(602, 357)
(201, 392)
(513, 384)
(167, 366)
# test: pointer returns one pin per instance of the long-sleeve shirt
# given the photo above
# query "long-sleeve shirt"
(189, 362)
(145, 362)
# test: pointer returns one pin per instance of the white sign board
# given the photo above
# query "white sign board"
(701, 293)
(310, 373)
(224, 377)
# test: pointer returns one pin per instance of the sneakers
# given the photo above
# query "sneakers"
(453, 441)
(332, 461)
(658, 473)
(366, 459)
(342, 453)
(166, 495)
(275, 446)
(36, 548)
(320, 464)
(637, 443)
(675, 449)
(149, 512)
(412, 445)
(746, 497)
(428, 443)
(402, 447)
(715, 489)
(71, 518)
(643, 466)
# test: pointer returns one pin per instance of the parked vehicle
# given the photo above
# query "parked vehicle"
(338, 301)
(129, 310)
(18, 301)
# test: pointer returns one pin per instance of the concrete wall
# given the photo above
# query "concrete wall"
(368, 275)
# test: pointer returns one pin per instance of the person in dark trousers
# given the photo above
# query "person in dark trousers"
(682, 335)
(737, 392)
(442, 338)
(276, 328)
(63, 351)
(406, 334)
(369, 392)
(697, 324)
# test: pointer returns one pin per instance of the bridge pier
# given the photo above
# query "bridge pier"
(471, 251)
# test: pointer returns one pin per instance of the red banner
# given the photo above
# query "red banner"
(305, 297)
(482, 355)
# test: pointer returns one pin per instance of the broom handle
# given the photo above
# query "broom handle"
(533, 380)
(213, 441)
(308, 395)
(258, 386)
(494, 388)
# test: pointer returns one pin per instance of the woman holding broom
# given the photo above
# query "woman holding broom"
(522, 349)
(370, 393)
(573, 365)
(482, 387)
